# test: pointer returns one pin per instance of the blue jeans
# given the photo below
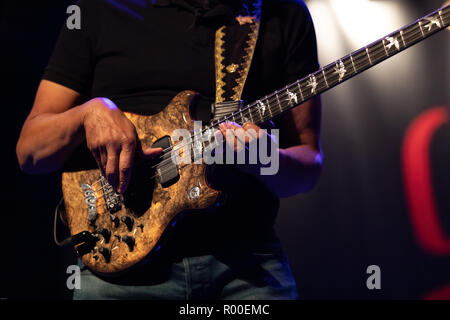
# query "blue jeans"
(231, 273)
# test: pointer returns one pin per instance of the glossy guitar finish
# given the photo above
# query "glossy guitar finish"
(145, 212)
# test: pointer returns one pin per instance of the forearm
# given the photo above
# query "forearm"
(48, 139)
(298, 171)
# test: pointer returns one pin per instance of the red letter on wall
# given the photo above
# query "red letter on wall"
(418, 183)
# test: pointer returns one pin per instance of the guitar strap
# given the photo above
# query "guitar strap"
(233, 52)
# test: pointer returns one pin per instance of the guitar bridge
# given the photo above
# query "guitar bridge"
(113, 200)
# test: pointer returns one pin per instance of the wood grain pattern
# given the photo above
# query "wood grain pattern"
(146, 201)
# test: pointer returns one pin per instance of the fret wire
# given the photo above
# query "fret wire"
(297, 87)
(319, 81)
(375, 54)
(420, 25)
(408, 35)
(250, 114)
(323, 72)
(253, 112)
(440, 16)
(403, 39)
(259, 109)
(287, 89)
(361, 63)
(368, 55)
(413, 35)
(278, 100)
(268, 105)
(329, 73)
(387, 53)
(379, 50)
(300, 89)
(408, 31)
(351, 58)
(263, 118)
(379, 53)
(360, 60)
(241, 115)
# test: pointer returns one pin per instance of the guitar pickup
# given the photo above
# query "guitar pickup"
(166, 169)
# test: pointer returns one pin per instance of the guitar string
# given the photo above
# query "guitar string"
(254, 113)
(377, 54)
(360, 62)
(415, 31)
(410, 35)
(269, 100)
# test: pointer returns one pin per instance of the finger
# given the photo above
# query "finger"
(251, 125)
(233, 125)
(112, 165)
(223, 129)
(98, 160)
(241, 139)
(228, 134)
(149, 153)
(125, 165)
(253, 132)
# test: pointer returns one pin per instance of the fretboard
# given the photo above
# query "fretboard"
(339, 71)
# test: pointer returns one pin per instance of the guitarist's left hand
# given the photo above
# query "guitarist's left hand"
(299, 157)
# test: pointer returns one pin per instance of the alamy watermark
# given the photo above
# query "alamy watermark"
(74, 279)
(374, 280)
(73, 22)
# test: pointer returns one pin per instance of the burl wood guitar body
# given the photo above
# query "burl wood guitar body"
(151, 207)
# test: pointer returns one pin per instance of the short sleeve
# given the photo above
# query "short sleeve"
(71, 63)
(301, 47)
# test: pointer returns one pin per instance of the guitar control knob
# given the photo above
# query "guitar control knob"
(106, 253)
(105, 233)
(129, 241)
(128, 222)
(115, 221)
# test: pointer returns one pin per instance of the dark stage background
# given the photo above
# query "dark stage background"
(358, 214)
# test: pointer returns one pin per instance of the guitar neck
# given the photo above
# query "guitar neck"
(341, 70)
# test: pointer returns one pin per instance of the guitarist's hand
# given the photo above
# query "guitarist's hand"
(237, 137)
(112, 140)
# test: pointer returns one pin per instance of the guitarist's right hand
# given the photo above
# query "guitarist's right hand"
(112, 140)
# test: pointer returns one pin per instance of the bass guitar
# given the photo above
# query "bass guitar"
(113, 232)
